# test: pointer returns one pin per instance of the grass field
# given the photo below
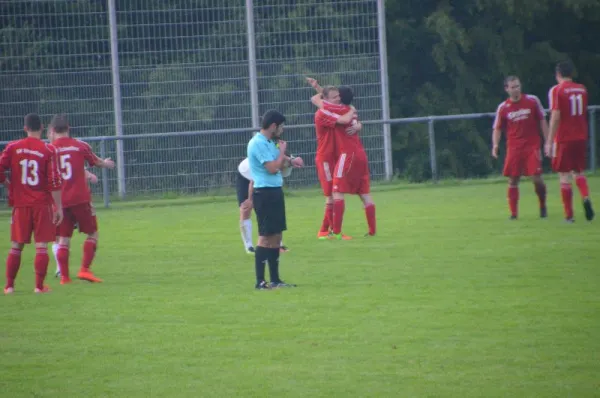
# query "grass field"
(451, 299)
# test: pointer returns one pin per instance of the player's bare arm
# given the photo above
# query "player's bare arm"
(91, 177)
(107, 163)
(314, 84)
(545, 129)
(495, 142)
(554, 121)
(58, 211)
(317, 100)
(277, 165)
(347, 117)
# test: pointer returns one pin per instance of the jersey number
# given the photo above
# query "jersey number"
(66, 168)
(576, 104)
(29, 172)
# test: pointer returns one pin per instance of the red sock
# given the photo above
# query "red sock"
(41, 266)
(540, 190)
(370, 213)
(62, 256)
(567, 199)
(89, 251)
(327, 224)
(513, 200)
(13, 263)
(582, 184)
(338, 215)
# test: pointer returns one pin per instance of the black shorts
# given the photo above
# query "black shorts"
(241, 187)
(269, 206)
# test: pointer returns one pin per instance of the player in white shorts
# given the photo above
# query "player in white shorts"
(243, 187)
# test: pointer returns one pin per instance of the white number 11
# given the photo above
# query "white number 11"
(576, 104)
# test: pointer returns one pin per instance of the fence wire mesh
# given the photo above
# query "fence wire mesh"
(184, 68)
(55, 58)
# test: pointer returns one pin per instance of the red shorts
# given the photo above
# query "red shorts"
(325, 173)
(83, 216)
(569, 156)
(523, 162)
(352, 174)
(36, 220)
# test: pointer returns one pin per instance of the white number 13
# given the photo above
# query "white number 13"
(29, 172)
(576, 104)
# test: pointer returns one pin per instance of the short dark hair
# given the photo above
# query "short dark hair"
(565, 68)
(60, 123)
(33, 122)
(510, 78)
(327, 89)
(271, 117)
(346, 95)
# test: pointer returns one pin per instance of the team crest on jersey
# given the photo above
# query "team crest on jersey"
(521, 114)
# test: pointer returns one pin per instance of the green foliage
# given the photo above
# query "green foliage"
(445, 57)
(451, 57)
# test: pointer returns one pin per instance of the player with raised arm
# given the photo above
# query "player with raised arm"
(522, 117)
(351, 174)
(35, 191)
(567, 143)
(326, 156)
(76, 197)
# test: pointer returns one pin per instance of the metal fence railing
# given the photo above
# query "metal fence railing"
(201, 161)
(126, 68)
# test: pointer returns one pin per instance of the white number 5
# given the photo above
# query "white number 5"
(66, 168)
(29, 172)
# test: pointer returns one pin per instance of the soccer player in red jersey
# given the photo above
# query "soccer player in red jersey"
(567, 143)
(35, 192)
(91, 177)
(326, 151)
(522, 116)
(76, 197)
(351, 173)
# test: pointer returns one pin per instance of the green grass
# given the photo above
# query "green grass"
(449, 300)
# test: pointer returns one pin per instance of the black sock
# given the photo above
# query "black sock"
(261, 255)
(274, 264)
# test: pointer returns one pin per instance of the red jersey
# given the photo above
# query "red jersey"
(571, 100)
(345, 143)
(521, 120)
(72, 157)
(325, 136)
(33, 172)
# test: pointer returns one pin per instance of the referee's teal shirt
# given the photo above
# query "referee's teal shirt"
(260, 151)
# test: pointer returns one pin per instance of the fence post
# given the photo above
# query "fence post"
(592, 140)
(114, 55)
(385, 93)
(432, 154)
(105, 192)
(252, 63)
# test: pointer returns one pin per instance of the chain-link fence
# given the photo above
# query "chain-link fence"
(187, 66)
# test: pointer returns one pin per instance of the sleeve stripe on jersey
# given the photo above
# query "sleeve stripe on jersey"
(54, 177)
(497, 118)
(85, 143)
(334, 115)
(551, 96)
(539, 103)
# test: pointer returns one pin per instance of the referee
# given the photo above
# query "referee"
(266, 155)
